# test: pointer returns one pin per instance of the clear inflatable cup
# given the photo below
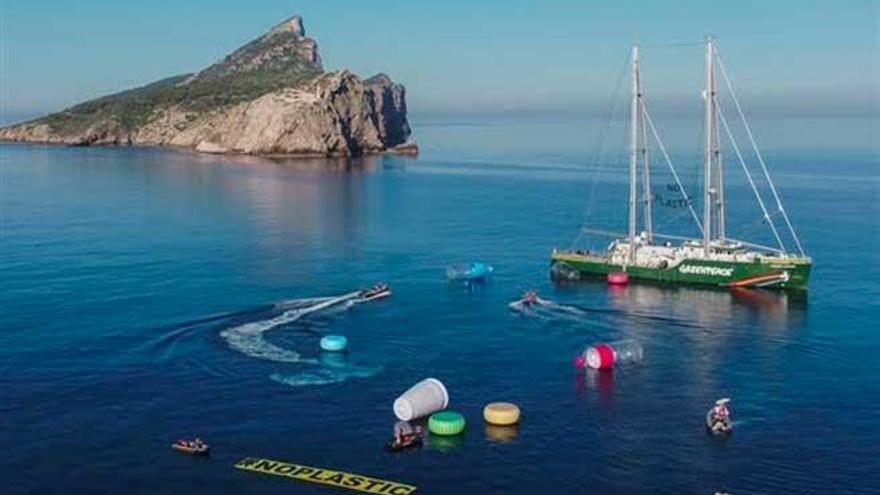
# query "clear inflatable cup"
(422, 399)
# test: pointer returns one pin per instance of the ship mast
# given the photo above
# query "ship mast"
(720, 219)
(646, 172)
(635, 108)
(708, 152)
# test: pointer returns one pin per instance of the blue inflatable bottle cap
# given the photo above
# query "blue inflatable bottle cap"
(333, 343)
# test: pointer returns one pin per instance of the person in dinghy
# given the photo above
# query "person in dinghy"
(405, 437)
(530, 298)
(192, 447)
(718, 420)
(380, 289)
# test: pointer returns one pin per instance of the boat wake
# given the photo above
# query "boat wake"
(324, 376)
(553, 312)
(548, 311)
(248, 339)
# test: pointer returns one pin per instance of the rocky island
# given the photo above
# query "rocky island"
(271, 96)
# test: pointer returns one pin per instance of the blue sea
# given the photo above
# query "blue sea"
(152, 294)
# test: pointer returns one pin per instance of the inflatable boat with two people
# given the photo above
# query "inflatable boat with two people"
(375, 292)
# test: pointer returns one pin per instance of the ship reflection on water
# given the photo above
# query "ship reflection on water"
(704, 306)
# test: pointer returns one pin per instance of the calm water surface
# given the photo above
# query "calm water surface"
(123, 273)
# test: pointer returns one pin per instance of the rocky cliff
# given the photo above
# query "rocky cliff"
(271, 96)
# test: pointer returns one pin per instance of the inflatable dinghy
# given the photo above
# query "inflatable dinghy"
(410, 442)
(191, 447)
(714, 427)
(375, 292)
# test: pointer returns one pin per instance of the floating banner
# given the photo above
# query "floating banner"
(330, 477)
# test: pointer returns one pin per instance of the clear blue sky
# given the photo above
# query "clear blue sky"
(798, 57)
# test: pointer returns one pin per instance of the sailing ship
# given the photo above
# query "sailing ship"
(714, 259)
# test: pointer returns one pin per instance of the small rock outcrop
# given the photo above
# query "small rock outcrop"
(271, 96)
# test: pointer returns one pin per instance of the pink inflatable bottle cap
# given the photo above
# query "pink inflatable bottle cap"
(618, 278)
(600, 357)
(580, 362)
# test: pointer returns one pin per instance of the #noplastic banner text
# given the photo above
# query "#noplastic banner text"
(341, 479)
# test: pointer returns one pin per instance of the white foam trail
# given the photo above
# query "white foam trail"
(341, 308)
(248, 338)
(521, 306)
(572, 311)
(303, 303)
(544, 309)
(324, 376)
(380, 295)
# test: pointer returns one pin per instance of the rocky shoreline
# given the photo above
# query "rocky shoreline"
(269, 97)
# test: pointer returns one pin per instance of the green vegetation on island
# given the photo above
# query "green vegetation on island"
(271, 96)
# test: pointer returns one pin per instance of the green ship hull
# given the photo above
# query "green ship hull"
(782, 272)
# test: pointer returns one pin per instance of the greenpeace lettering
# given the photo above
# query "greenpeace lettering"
(339, 479)
(705, 270)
